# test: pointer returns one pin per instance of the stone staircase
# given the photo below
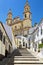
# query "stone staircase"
(23, 57)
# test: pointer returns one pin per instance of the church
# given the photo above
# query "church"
(20, 27)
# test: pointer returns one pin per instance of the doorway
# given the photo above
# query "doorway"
(23, 44)
(9, 48)
(6, 53)
(26, 45)
(35, 47)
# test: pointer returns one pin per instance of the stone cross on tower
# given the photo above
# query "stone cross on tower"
(27, 13)
(27, 2)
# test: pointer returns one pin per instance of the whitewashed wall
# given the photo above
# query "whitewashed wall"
(2, 49)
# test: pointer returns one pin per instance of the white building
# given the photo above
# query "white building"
(39, 33)
(6, 40)
(31, 37)
(35, 36)
(22, 41)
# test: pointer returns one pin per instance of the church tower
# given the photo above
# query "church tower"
(9, 17)
(27, 14)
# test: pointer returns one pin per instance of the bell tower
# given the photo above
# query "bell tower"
(27, 22)
(27, 13)
(9, 17)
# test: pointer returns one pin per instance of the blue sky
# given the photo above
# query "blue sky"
(17, 7)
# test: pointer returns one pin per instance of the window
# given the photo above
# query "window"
(15, 27)
(23, 39)
(38, 32)
(15, 35)
(23, 43)
(20, 42)
(41, 30)
(4, 39)
(29, 43)
(27, 9)
(25, 35)
(25, 15)
(9, 48)
(1, 35)
(26, 45)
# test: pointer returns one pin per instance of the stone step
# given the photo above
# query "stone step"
(22, 49)
(28, 62)
(24, 57)
(25, 63)
(25, 52)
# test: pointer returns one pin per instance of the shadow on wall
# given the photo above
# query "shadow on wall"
(15, 53)
(10, 59)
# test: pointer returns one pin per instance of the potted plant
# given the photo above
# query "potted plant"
(40, 46)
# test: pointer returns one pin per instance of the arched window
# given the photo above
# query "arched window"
(1, 34)
(25, 15)
(23, 43)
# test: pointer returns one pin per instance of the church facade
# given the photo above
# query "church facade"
(20, 27)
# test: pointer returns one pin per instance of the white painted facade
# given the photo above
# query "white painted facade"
(8, 46)
(11, 36)
(36, 36)
(40, 36)
(22, 41)
(2, 49)
(39, 33)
